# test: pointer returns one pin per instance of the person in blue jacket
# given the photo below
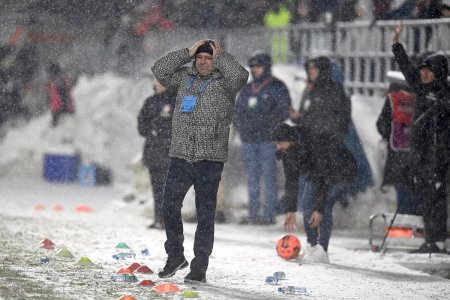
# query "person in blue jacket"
(262, 104)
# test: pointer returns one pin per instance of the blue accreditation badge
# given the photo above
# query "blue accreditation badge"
(188, 103)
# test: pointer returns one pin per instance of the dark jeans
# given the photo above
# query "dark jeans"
(181, 175)
(158, 179)
(322, 234)
(405, 201)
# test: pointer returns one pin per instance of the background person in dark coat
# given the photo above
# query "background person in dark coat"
(325, 114)
(155, 124)
(262, 103)
(394, 125)
(59, 93)
(430, 140)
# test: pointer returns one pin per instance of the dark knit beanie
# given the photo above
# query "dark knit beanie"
(261, 59)
(285, 133)
(206, 47)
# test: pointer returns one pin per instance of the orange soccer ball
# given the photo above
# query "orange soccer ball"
(288, 246)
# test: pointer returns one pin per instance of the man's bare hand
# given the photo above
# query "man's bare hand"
(397, 31)
(195, 47)
(315, 219)
(290, 222)
(216, 48)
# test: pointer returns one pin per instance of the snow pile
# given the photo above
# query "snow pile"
(103, 129)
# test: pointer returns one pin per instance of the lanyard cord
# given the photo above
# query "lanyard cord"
(202, 87)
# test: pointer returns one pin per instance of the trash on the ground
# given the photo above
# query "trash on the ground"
(124, 255)
(271, 280)
(145, 251)
(293, 290)
(279, 275)
(124, 277)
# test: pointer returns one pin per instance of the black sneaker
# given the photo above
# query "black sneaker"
(171, 267)
(195, 277)
(429, 248)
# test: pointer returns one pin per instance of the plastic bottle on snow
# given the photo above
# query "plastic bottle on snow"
(293, 290)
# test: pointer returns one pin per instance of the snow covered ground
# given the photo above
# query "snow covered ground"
(243, 255)
(104, 130)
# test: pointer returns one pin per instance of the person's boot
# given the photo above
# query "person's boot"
(195, 277)
(429, 248)
(172, 266)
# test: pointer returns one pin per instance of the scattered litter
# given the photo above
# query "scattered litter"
(44, 260)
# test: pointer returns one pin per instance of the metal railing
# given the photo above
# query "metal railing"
(362, 48)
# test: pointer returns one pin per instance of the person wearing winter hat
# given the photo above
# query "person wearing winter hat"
(430, 140)
(262, 104)
(201, 122)
(325, 114)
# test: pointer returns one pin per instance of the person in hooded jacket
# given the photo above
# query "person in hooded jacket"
(394, 125)
(296, 148)
(430, 140)
(324, 116)
(155, 124)
(262, 103)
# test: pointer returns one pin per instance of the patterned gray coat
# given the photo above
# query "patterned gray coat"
(202, 134)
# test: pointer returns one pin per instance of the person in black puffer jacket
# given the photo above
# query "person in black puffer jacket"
(430, 140)
(325, 114)
(155, 124)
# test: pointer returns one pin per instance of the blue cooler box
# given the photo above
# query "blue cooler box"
(61, 164)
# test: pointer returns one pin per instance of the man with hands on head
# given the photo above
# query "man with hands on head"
(204, 106)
